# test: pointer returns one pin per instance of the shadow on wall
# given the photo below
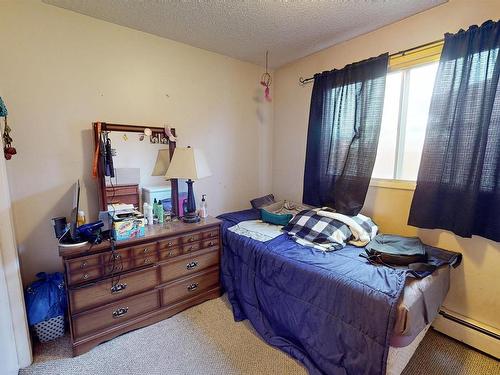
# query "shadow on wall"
(259, 101)
(37, 245)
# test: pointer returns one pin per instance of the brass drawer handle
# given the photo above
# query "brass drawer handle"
(210, 243)
(84, 264)
(116, 256)
(192, 287)
(120, 312)
(118, 288)
(147, 260)
(170, 253)
(85, 276)
(192, 265)
(145, 250)
(169, 243)
(191, 239)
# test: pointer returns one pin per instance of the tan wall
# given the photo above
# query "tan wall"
(475, 287)
(60, 71)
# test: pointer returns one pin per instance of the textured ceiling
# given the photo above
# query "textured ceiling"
(246, 29)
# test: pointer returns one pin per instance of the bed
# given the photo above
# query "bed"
(334, 312)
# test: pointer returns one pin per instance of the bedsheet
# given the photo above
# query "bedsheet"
(334, 312)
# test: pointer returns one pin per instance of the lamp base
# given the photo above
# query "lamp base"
(191, 217)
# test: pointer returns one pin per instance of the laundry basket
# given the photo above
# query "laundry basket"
(50, 329)
(46, 306)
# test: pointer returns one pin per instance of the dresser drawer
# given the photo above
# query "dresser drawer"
(122, 254)
(168, 253)
(145, 260)
(210, 243)
(213, 233)
(118, 266)
(186, 266)
(121, 190)
(189, 248)
(118, 262)
(190, 287)
(169, 243)
(103, 317)
(85, 275)
(83, 263)
(103, 292)
(143, 250)
(190, 238)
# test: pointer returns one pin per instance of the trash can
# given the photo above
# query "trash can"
(46, 306)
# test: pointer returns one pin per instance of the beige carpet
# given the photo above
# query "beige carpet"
(206, 340)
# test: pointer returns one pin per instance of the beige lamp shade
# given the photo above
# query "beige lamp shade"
(162, 163)
(189, 164)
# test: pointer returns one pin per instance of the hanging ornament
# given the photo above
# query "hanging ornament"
(168, 132)
(8, 150)
(266, 80)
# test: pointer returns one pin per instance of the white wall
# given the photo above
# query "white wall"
(60, 71)
(475, 288)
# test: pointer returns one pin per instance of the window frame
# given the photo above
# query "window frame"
(405, 61)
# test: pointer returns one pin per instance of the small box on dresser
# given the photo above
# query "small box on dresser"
(142, 281)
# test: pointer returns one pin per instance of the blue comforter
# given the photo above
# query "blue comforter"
(334, 312)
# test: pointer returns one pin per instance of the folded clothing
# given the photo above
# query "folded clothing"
(363, 228)
(257, 230)
(324, 229)
(397, 245)
(327, 233)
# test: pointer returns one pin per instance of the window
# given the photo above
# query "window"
(408, 95)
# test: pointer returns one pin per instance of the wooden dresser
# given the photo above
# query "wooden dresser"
(144, 280)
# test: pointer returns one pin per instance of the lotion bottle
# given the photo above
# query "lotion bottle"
(203, 208)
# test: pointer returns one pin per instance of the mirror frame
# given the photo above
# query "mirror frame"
(99, 127)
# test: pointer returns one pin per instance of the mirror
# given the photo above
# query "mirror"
(134, 173)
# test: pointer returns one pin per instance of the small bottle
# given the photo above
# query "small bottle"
(149, 215)
(80, 218)
(155, 208)
(160, 212)
(145, 208)
(203, 208)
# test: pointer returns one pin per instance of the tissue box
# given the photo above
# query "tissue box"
(129, 228)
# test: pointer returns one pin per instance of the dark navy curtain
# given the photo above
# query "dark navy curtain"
(342, 139)
(458, 181)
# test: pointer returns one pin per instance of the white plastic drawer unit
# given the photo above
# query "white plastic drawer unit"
(149, 193)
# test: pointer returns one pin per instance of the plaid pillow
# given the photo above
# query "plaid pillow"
(331, 234)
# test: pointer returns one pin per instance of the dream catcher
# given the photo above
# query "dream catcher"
(8, 150)
(266, 80)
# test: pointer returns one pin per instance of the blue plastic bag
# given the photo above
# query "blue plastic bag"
(46, 297)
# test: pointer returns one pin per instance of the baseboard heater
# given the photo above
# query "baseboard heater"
(469, 325)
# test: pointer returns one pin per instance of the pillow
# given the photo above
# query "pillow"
(277, 219)
(260, 202)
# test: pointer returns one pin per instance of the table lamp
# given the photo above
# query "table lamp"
(189, 164)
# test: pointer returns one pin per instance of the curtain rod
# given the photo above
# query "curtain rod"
(303, 81)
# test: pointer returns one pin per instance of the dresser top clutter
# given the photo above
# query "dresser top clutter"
(154, 232)
(160, 267)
